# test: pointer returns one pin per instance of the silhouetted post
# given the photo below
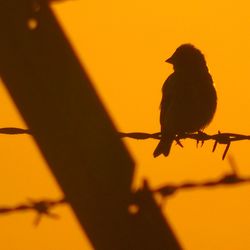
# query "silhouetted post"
(72, 129)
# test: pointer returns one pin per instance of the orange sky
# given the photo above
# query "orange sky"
(123, 45)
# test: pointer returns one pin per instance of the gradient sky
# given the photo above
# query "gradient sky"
(123, 46)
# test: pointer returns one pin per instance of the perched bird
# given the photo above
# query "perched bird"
(188, 97)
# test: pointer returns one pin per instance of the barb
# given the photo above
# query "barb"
(221, 138)
(42, 208)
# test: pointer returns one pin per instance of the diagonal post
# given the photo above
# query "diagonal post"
(71, 127)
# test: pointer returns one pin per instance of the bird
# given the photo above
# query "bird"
(189, 97)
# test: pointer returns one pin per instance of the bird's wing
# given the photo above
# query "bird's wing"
(167, 102)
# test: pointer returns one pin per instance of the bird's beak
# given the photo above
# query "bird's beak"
(169, 60)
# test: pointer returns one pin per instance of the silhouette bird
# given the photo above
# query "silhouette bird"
(189, 98)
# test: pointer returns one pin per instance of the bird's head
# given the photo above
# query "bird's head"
(187, 57)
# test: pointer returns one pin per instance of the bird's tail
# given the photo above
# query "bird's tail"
(163, 147)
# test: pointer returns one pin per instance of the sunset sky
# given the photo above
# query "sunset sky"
(123, 46)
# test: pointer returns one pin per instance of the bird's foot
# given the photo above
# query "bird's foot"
(201, 138)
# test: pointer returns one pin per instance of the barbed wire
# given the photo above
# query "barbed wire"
(228, 179)
(42, 208)
(200, 137)
(14, 131)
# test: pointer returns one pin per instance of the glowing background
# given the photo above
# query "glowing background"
(123, 45)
